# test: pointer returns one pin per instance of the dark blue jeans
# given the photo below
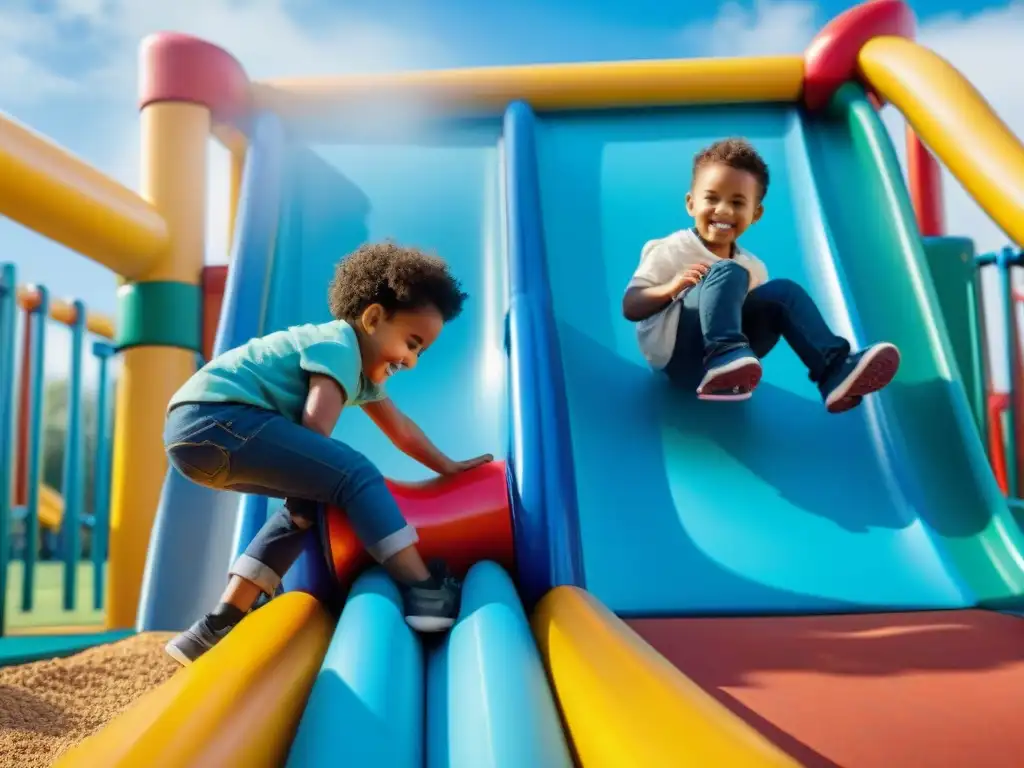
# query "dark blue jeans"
(719, 316)
(240, 448)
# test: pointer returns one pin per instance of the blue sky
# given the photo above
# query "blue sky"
(68, 69)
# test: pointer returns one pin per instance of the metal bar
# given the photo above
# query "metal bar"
(73, 485)
(24, 400)
(8, 319)
(35, 446)
(101, 477)
(1008, 255)
(975, 320)
(64, 313)
(1005, 261)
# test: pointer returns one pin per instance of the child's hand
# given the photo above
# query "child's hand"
(690, 276)
(457, 467)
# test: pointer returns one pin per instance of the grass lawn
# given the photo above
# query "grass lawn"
(47, 608)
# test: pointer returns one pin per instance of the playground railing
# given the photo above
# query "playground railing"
(23, 400)
(1002, 409)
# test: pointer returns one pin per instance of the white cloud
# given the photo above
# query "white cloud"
(766, 28)
(262, 35)
(24, 77)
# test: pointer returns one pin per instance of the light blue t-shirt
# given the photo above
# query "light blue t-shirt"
(272, 371)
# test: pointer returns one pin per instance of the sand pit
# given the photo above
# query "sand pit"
(48, 706)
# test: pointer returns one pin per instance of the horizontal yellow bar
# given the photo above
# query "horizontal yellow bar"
(62, 312)
(546, 87)
(956, 123)
(625, 704)
(60, 196)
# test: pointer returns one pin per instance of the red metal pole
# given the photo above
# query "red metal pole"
(21, 465)
(925, 182)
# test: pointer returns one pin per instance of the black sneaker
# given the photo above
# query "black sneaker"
(433, 606)
(195, 641)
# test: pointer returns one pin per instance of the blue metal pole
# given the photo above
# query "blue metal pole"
(38, 317)
(8, 320)
(73, 486)
(101, 477)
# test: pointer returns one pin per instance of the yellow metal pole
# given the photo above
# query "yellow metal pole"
(237, 170)
(174, 159)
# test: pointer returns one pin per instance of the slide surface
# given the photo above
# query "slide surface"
(770, 506)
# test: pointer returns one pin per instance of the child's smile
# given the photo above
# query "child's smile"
(724, 201)
(392, 344)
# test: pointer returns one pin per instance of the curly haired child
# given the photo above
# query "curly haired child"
(259, 418)
(706, 310)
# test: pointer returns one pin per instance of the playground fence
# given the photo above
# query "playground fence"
(28, 506)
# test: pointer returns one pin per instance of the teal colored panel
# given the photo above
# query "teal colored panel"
(161, 313)
(943, 462)
(951, 266)
(23, 649)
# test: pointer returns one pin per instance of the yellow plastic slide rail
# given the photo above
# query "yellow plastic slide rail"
(624, 704)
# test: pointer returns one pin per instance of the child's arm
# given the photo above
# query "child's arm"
(658, 279)
(410, 439)
(323, 405)
(642, 301)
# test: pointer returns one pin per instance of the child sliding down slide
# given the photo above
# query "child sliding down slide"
(259, 418)
(706, 310)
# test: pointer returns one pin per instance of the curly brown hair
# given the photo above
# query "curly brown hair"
(397, 278)
(737, 153)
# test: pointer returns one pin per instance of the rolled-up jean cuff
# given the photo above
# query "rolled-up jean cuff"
(260, 574)
(393, 543)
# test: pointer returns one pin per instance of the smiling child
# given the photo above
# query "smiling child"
(259, 419)
(706, 310)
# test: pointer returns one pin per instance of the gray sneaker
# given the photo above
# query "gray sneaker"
(433, 607)
(195, 641)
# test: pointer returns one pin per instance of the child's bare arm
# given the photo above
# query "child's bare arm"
(642, 301)
(410, 439)
(323, 405)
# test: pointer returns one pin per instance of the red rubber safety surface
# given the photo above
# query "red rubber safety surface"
(942, 689)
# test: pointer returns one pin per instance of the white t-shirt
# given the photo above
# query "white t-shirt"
(660, 261)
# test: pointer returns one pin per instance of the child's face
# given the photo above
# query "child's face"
(723, 202)
(391, 344)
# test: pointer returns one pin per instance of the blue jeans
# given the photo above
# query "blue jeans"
(241, 448)
(719, 316)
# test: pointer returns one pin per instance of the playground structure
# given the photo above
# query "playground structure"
(28, 501)
(649, 580)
